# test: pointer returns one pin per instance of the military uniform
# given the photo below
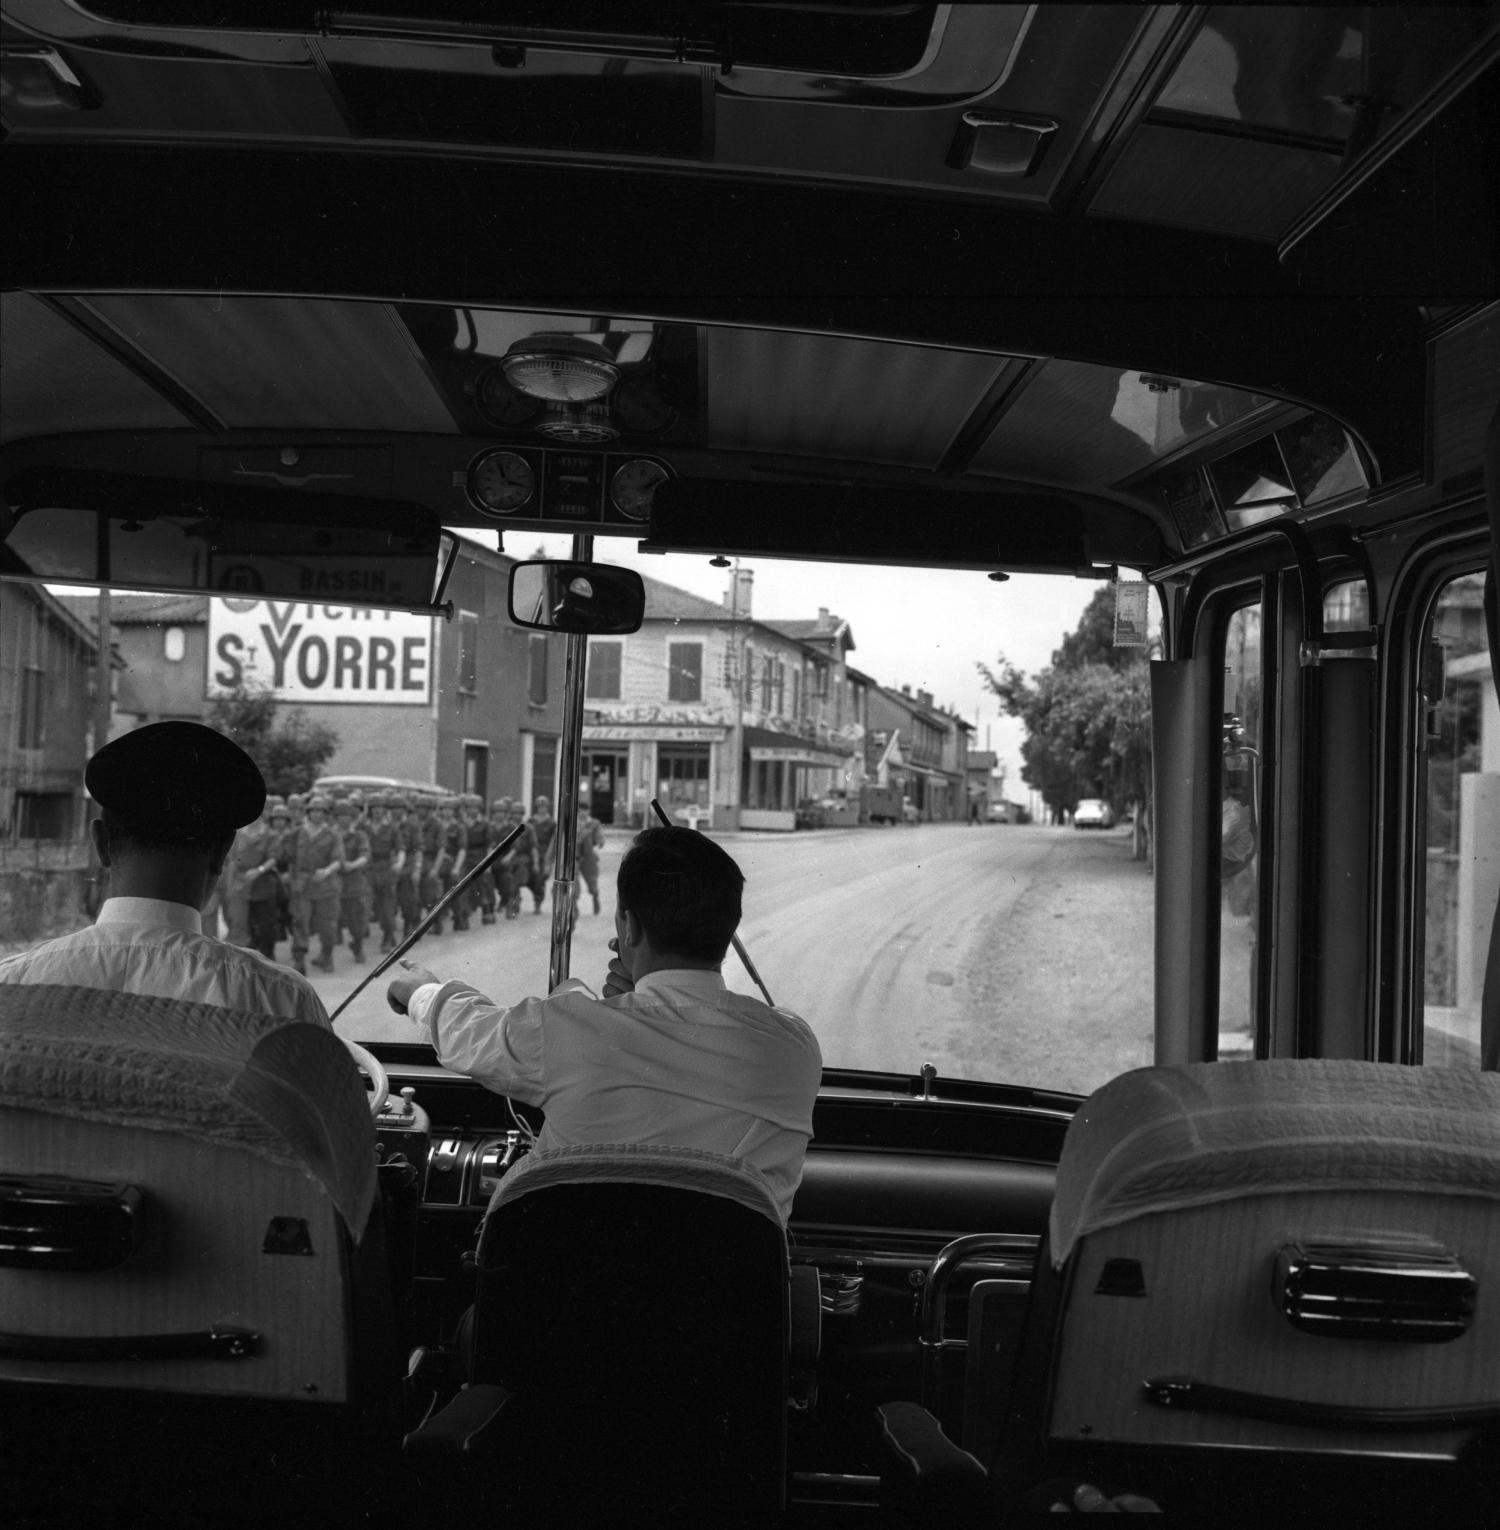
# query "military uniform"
(476, 840)
(436, 859)
(248, 853)
(354, 875)
(267, 893)
(544, 832)
(387, 854)
(316, 852)
(518, 861)
(499, 873)
(409, 874)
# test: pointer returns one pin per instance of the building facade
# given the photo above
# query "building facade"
(48, 674)
(723, 718)
(920, 749)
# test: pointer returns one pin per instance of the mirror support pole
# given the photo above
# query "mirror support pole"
(564, 868)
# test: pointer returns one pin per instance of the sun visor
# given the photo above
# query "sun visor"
(861, 523)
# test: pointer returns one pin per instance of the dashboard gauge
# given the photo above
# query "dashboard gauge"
(501, 482)
(633, 487)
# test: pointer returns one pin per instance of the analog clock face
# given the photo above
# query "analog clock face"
(634, 486)
(501, 482)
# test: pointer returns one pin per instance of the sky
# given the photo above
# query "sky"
(926, 628)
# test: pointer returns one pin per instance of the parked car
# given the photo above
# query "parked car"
(1092, 813)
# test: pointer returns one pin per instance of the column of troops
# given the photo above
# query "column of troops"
(318, 869)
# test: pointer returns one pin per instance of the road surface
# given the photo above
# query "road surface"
(1015, 953)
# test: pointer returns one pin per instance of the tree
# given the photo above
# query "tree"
(289, 749)
(1087, 719)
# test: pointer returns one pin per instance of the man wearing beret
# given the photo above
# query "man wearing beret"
(172, 796)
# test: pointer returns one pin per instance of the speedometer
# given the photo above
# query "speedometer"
(501, 482)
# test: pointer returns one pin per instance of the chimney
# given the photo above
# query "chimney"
(925, 697)
(906, 690)
(737, 597)
(822, 614)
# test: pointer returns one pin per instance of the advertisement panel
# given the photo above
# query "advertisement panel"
(302, 652)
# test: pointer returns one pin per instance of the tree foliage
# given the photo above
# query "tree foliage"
(290, 750)
(1087, 718)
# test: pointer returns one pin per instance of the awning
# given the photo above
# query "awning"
(799, 754)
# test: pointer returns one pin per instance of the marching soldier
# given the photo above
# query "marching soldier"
(316, 854)
(354, 862)
(240, 869)
(476, 833)
(267, 893)
(518, 860)
(499, 877)
(386, 858)
(544, 830)
(435, 859)
(409, 868)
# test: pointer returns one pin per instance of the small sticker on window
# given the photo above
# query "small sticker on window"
(1130, 613)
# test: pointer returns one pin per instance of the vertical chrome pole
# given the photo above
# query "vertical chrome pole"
(564, 870)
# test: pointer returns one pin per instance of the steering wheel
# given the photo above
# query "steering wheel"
(368, 1063)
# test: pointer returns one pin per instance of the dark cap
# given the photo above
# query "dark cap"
(177, 781)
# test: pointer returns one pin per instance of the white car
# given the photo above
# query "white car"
(1092, 813)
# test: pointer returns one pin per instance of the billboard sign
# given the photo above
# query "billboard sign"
(302, 652)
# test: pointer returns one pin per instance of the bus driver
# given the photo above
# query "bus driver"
(668, 1055)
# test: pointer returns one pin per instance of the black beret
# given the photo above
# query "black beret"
(177, 781)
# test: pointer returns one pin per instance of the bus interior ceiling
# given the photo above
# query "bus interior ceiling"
(1204, 295)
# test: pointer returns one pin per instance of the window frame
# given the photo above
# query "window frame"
(468, 653)
(537, 656)
(678, 674)
(615, 647)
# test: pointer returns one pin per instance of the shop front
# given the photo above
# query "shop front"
(626, 765)
(783, 773)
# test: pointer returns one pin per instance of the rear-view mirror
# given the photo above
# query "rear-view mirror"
(576, 597)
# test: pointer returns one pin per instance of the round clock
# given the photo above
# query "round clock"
(633, 487)
(501, 482)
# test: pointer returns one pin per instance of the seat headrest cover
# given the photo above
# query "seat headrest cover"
(672, 1168)
(1162, 1139)
(286, 1091)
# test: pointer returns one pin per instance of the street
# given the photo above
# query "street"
(1019, 954)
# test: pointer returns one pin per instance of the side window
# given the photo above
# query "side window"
(684, 671)
(603, 680)
(1462, 802)
(1239, 842)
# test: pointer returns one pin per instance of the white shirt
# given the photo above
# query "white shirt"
(150, 946)
(682, 1061)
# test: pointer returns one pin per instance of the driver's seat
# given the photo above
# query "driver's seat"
(630, 1346)
(195, 1307)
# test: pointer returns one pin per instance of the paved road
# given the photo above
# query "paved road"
(1013, 953)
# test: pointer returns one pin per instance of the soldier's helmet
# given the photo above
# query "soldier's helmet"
(276, 808)
(357, 800)
(410, 801)
(317, 803)
(500, 805)
(377, 800)
(345, 807)
(297, 800)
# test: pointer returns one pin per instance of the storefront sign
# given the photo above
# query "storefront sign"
(599, 734)
(315, 653)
